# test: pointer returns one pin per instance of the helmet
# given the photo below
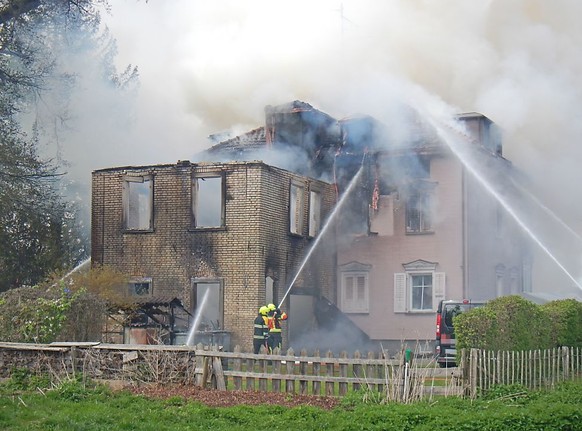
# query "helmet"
(263, 310)
(271, 307)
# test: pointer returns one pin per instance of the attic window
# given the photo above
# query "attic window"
(208, 201)
(138, 202)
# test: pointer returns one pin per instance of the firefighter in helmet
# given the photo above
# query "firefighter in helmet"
(261, 330)
(275, 317)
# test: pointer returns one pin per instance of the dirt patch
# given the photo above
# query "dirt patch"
(217, 398)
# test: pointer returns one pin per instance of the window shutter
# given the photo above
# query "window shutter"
(439, 288)
(400, 292)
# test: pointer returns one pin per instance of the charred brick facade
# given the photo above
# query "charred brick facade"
(149, 223)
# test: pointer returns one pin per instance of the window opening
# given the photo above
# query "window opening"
(138, 203)
(421, 287)
(418, 213)
(207, 305)
(296, 209)
(314, 212)
(207, 206)
(141, 287)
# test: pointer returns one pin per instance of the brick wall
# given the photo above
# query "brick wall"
(254, 242)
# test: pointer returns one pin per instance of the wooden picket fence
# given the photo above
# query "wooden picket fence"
(533, 369)
(327, 375)
(405, 378)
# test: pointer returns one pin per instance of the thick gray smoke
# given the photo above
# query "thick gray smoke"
(206, 67)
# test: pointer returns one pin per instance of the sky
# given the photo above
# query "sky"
(212, 66)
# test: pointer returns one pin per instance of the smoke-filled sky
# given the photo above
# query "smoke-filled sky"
(211, 66)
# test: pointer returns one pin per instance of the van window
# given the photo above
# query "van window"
(451, 310)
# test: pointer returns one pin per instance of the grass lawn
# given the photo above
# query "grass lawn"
(74, 407)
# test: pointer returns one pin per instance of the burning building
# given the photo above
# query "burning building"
(226, 234)
(409, 225)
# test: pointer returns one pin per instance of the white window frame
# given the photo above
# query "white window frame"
(296, 205)
(426, 291)
(314, 212)
(403, 286)
(217, 206)
(348, 274)
(138, 202)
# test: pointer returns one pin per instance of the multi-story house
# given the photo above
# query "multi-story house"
(220, 237)
(406, 225)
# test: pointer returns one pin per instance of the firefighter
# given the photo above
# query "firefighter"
(275, 317)
(261, 330)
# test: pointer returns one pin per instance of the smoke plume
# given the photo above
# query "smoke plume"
(207, 67)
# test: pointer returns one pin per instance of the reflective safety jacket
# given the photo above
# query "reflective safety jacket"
(274, 321)
(261, 328)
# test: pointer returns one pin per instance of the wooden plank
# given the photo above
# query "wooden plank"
(357, 370)
(276, 383)
(290, 381)
(237, 366)
(303, 387)
(250, 381)
(329, 384)
(343, 371)
(316, 371)
(218, 374)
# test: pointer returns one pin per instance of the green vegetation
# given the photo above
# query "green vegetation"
(56, 310)
(77, 405)
(512, 323)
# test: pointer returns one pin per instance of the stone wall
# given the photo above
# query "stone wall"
(168, 364)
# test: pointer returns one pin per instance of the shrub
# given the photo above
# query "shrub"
(565, 320)
(505, 323)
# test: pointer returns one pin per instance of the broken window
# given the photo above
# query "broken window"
(138, 202)
(140, 287)
(314, 212)
(208, 201)
(419, 289)
(207, 304)
(418, 209)
(296, 209)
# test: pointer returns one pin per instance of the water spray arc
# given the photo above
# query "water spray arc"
(326, 226)
(196, 320)
(75, 269)
(549, 212)
(451, 136)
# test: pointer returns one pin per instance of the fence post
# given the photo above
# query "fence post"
(357, 370)
(290, 382)
(250, 368)
(566, 362)
(263, 370)
(343, 368)
(237, 365)
(329, 367)
(371, 371)
(473, 363)
(276, 370)
(201, 370)
(303, 389)
(316, 372)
